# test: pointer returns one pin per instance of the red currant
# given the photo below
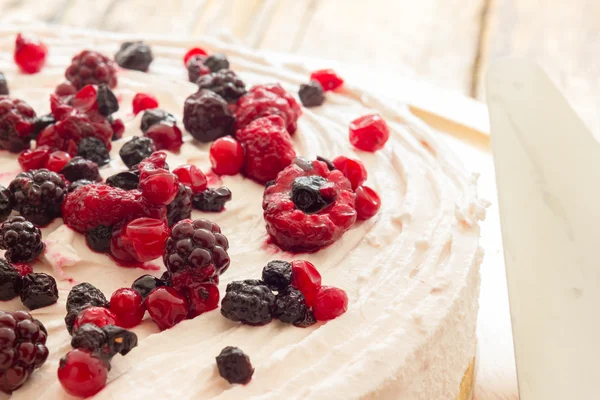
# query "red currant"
(203, 297)
(369, 132)
(128, 306)
(147, 238)
(226, 156)
(57, 160)
(352, 169)
(194, 51)
(160, 188)
(98, 316)
(81, 374)
(143, 101)
(327, 78)
(30, 54)
(85, 99)
(367, 202)
(192, 176)
(34, 159)
(306, 279)
(330, 303)
(167, 307)
(165, 136)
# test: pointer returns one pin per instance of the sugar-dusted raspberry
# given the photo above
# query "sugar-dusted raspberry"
(196, 67)
(249, 301)
(134, 55)
(328, 79)
(3, 85)
(225, 83)
(293, 229)
(91, 67)
(311, 94)
(269, 148)
(38, 195)
(352, 169)
(369, 132)
(265, 100)
(367, 202)
(234, 365)
(30, 54)
(16, 124)
(207, 117)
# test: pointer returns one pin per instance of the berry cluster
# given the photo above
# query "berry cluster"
(160, 127)
(36, 290)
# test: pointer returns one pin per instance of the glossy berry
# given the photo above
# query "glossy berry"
(89, 338)
(143, 101)
(94, 150)
(308, 320)
(166, 136)
(277, 274)
(3, 85)
(180, 208)
(40, 123)
(35, 159)
(367, 202)
(6, 203)
(146, 284)
(146, 238)
(17, 120)
(250, 301)
(128, 306)
(98, 316)
(312, 194)
(226, 156)
(211, 200)
(30, 54)
(155, 116)
(91, 68)
(126, 180)
(82, 374)
(134, 55)
(57, 160)
(118, 340)
(191, 176)
(290, 306)
(21, 239)
(160, 188)
(194, 51)
(38, 195)
(85, 293)
(80, 168)
(167, 307)
(79, 183)
(217, 62)
(11, 281)
(117, 126)
(234, 365)
(85, 99)
(39, 290)
(328, 79)
(352, 169)
(106, 100)
(225, 83)
(311, 94)
(207, 117)
(136, 150)
(369, 132)
(98, 238)
(196, 68)
(330, 303)
(202, 297)
(307, 279)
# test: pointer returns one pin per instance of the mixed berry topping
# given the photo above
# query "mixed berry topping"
(155, 116)
(80, 168)
(6, 203)
(207, 117)
(226, 156)
(39, 290)
(91, 68)
(312, 194)
(167, 307)
(225, 83)
(211, 200)
(40, 123)
(11, 281)
(16, 124)
(328, 79)
(311, 94)
(234, 365)
(367, 202)
(369, 132)
(134, 55)
(143, 101)
(136, 150)
(84, 294)
(30, 54)
(34, 159)
(81, 373)
(128, 305)
(250, 302)
(3, 85)
(21, 239)
(352, 169)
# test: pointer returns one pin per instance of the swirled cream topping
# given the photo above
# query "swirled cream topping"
(411, 272)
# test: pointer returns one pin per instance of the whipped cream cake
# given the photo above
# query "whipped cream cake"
(400, 276)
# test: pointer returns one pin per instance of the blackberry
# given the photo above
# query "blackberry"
(107, 101)
(217, 62)
(16, 124)
(3, 85)
(211, 199)
(84, 294)
(91, 68)
(11, 281)
(89, 338)
(79, 183)
(250, 301)
(277, 275)
(311, 94)
(234, 365)
(40, 123)
(21, 239)
(80, 168)
(307, 196)
(196, 67)
(207, 117)
(39, 290)
(290, 306)
(124, 180)
(38, 195)
(72, 316)
(181, 207)
(22, 348)
(225, 83)
(329, 164)
(6, 203)
(155, 116)
(93, 149)
(98, 238)
(136, 150)
(119, 340)
(134, 55)
(308, 320)
(146, 283)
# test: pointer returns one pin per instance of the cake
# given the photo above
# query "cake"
(411, 273)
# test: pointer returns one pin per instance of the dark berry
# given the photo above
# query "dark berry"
(80, 168)
(38, 195)
(307, 196)
(367, 202)
(136, 150)
(3, 85)
(277, 275)
(124, 180)
(79, 183)
(11, 281)
(308, 320)
(106, 100)
(180, 208)
(39, 290)
(72, 316)
(207, 117)
(167, 307)
(329, 164)
(311, 94)
(98, 238)
(226, 156)
(128, 306)
(328, 79)
(194, 51)
(249, 301)
(290, 306)
(6, 203)
(16, 124)
(147, 283)
(155, 116)
(369, 132)
(89, 338)
(134, 55)
(81, 373)
(91, 67)
(21, 239)
(119, 340)
(212, 200)
(93, 149)
(234, 365)
(30, 54)
(40, 123)
(225, 83)
(217, 62)
(196, 67)
(84, 294)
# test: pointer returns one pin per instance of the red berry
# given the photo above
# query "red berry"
(85, 99)
(330, 303)
(167, 307)
(34, 159)
(352, 169)
(166, 136)
(30, 54)
(306, 279)
(118, 128)
(98, 316)
(23, 268)
(147, 238)
(369, 132)
(194, 51)
(65, 89)
(128, 306)
(367, 202)
(203, 297)
(327, 78)
(192, 176)
(160, 188)
(143, 101)
(57, 160)
(226, 156)
(82, 374)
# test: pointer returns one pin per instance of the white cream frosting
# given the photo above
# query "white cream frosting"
(411, 272)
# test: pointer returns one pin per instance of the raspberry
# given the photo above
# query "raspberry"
(6, 203)
(38, 195)
(22, 348)
(30, 54)
(91, 67)
(134, 55)
(144, 238)
(311, 94)
(225, 83)
(226, 156)
(234, 366)
(330, 303)
(77, 184)
(265, 100)
(194, 51)
(180, 208)
(196, 68)
(66, 134)
(136, 150)
(211, 200)
(124, 180)
(128, 306)
(269, 148)
(11, 281)
(35, 159)
(202, 297)
(293, 229)
(82, 374)
(328, 79)
(191, 176)
(352, 169)
(21, 239)
(167, 307)
(290, 306)
(159, 187)
(249, 301)
(16, 124)
(80, 168)
(307, 279)
(39, 290)
(166, 136)
(154, 116)
(98, 316)
(217, 62)
(93, 205)
(146, 284)
(367, 202)
(57, 160)
(277, 275)
(369, 132)
(206, 116)
(143, 101)
(3, 85)
(98, 238)
(106, 100)
(93, 149)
